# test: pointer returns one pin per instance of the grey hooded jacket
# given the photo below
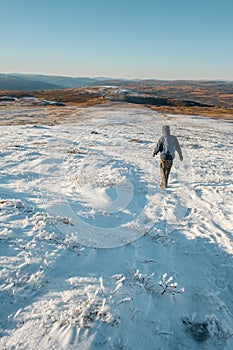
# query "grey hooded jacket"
(167, 145)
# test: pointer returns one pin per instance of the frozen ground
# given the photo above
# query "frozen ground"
(88, 240)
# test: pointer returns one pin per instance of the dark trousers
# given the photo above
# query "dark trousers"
(165, 168)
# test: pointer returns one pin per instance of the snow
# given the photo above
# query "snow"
(94, 254)
(27, 101)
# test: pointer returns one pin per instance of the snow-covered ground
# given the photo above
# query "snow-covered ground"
(94, 255)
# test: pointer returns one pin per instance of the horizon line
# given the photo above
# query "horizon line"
(118, 78)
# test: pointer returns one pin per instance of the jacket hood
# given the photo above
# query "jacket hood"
(166, 130)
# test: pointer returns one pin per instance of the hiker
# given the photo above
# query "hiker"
(167, 145)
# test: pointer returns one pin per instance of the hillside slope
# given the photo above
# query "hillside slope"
(95, 255)
(8, 82)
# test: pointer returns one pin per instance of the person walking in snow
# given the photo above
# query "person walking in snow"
(167, 145)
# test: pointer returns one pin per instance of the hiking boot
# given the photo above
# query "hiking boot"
(163, 186)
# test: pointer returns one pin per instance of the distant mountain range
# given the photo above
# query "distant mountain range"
(14, 82)
(33, 82)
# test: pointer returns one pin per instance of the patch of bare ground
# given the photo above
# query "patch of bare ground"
(216, 113)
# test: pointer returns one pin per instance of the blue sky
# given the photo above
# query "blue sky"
(167, 39)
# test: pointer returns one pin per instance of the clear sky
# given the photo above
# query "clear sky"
(167, 39)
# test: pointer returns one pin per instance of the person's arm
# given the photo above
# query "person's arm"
(178, 149)
(158, 148)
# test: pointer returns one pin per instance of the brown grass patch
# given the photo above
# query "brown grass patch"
(218, 113)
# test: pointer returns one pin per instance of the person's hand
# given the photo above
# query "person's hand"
(181, 158)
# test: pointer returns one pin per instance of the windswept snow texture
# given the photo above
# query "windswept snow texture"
(94, 255)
